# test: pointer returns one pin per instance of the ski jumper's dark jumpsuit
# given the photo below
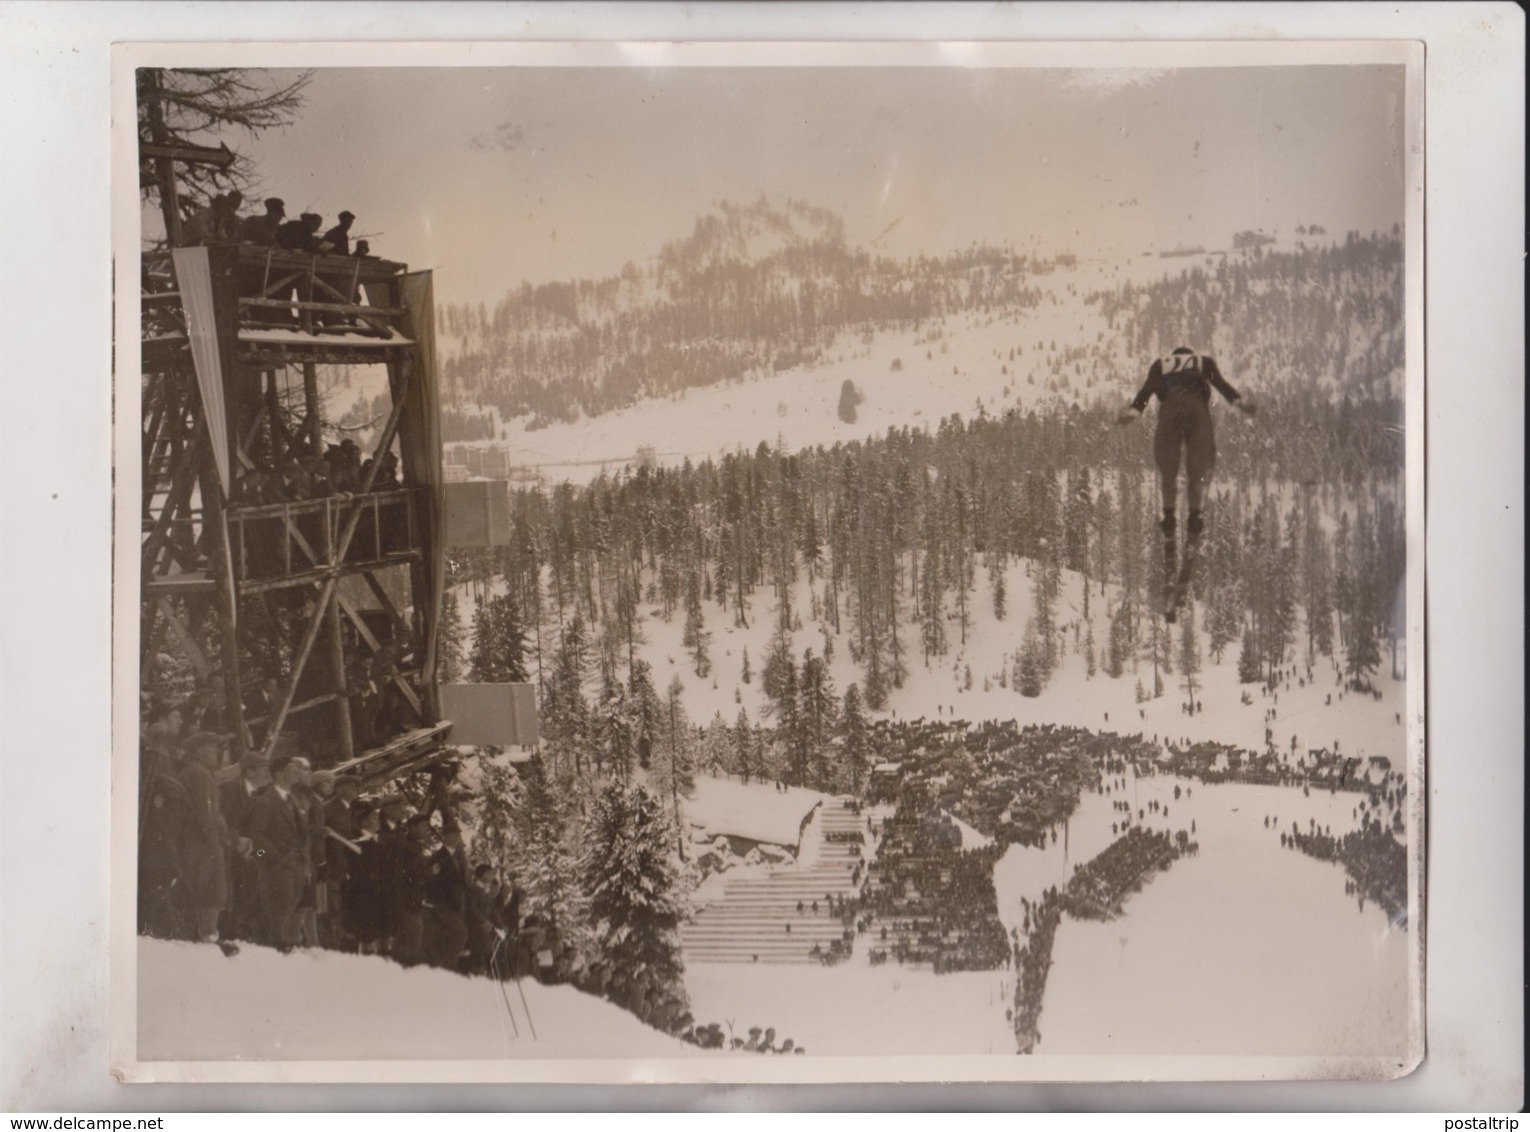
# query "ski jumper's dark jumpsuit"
(1182, 382)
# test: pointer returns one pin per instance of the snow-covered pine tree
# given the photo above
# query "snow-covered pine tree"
(743, 748)
(1189, 654)
(1249, 668)
(673, 770)
(647, 712)
(545, 868)
(791, 732)
(773, 680)
(697, 636)
(1031, 677)
(1118, 647)
(449, 647)
(499, 642)
(1317, 583)
(1362, 652)
(996, 581)
(855, 739)
(637, 901)
(615, 744)
(566, 710)
(820, 709)
(716, 744)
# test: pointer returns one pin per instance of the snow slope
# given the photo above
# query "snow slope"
(860, 1010)
(196, 1005)
(1246, 948)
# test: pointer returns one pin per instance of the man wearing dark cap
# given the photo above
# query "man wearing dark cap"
(337, 241)
(446, 900)
(300, 235)
(340, 820)
(407, 870)
(260, 229)
(236, 797)
(280, 835)
(205, 837)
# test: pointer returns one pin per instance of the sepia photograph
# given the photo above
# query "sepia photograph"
(770, 562)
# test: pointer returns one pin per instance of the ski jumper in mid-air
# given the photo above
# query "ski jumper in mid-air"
(1183, 382)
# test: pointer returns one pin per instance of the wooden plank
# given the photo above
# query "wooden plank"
(167, 584)
(360, 623)
(306, 705)
(267, 287)
(386, 602)
(183, 635)
(376, 646)
(180, 496)
(222, 156)
(337, 665)
(326, 308)
(297, 536)
(312, 577)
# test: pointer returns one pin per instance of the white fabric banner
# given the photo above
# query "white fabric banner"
(193, 277)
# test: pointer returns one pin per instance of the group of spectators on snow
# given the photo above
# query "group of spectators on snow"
(1098, 887)
(273, 852)
(1033, 962)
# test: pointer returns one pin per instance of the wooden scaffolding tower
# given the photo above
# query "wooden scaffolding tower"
(307, 616)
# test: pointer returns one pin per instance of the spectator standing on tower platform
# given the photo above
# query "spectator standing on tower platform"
(337, 241)
(261, 228)
(300, 235)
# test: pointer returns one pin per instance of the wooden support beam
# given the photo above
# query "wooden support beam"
(222, 157)
(319, 574)
(295, 535)
(180, 497)
(368, 315)
(306, 705)
(337, 656)
(342, 307)
(268, 288)
(315, 426)
(375, 645)
(386, 602)
(183, 635)
(343, 544)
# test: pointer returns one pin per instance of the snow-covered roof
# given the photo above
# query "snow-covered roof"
(283, 336)
(758, 811)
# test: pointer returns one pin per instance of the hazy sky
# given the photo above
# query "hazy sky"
(495, 176)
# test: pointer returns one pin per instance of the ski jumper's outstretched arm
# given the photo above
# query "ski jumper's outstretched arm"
(1139, 403)
(1224, 387)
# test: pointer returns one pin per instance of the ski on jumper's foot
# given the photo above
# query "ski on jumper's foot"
(1181, 585)
(1170, 570)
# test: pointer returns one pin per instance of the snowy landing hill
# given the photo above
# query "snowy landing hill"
(196, 1005)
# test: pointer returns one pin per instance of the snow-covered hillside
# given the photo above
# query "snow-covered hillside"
(197, 1005)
